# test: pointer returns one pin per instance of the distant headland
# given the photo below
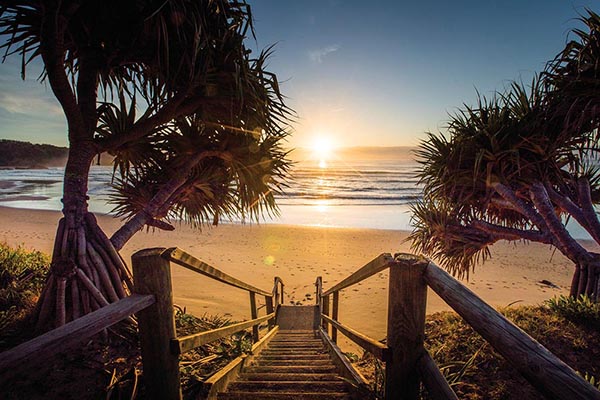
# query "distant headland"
(18, 154)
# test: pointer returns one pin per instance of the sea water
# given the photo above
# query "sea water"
(370, 192)
(357, 189)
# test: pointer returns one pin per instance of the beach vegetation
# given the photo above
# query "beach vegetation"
(580, 308)
(518, 166)
(194, 121)
(475, 371)
(22, 276)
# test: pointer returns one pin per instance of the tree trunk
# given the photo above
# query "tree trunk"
(86, 271)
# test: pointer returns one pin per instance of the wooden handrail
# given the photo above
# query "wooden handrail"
(378, 349)
(68, 336)
(376, 265)
(188, 261)
(539, 366)
(190, 342)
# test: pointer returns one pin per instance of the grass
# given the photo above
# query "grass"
(22, 275)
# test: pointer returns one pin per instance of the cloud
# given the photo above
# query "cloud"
(29, 104)
(317, 55)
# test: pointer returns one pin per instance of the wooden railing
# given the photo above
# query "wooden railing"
(407, 361)
(30, 355)
(159, 342)
(152, 302)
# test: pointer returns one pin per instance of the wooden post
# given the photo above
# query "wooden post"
(334, 315)
(319, 291)
(152, 275)
(406, 326)
(325, 312)
(270, 308)
(254, 315)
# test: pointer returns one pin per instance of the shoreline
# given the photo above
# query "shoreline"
(298, 254)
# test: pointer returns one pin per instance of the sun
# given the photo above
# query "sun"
(322, 149)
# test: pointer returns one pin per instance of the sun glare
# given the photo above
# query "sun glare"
(322, 150)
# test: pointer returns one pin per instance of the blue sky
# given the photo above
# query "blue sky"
(378, 73)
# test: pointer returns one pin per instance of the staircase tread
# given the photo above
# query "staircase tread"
(291, 369)
(294, 365)
(246, 395)
(278, 376)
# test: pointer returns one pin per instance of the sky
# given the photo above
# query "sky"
(362, 73)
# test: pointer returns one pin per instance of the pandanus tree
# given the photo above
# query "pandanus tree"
(207, 144)
(519, 166)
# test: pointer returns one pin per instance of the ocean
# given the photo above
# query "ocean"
(356, 188)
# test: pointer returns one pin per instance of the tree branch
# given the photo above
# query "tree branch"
(519, 205)
(587, 208)
(574, 210)
(53, 52)
(568, 245)
(87, 91)
(176, 107)
(159, 200)
(505, 233)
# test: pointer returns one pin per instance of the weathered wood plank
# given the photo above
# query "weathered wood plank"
(152, 274)
(344, 366)
(435, 383)
(190, 342)
(540, 367)
(188, 261)
(42, 348)
(376, 265)
(269, 304)
(334, 315)
(378, 349)
(253, 315)
(325, 302)
(407, 301)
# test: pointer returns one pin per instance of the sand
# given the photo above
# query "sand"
(298, 254)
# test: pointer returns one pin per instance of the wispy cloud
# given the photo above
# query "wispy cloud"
(24, 104)
(318, 55)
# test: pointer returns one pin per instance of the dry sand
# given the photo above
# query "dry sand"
(298, 254)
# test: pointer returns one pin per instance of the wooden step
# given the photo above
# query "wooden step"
(240, 395)
(295, 369)
(297, 331)
(320, 349)
(307, 363)
(292, 357)
(316, 343)
(266, 376)
(295, 365)
(301, 350)
(295, 340)
(337, 386)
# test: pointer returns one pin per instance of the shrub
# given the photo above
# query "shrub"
(581, 309)
(22, 275)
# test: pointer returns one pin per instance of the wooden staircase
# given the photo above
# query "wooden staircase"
(296, 364)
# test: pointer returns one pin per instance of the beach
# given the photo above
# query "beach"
(298, 254)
